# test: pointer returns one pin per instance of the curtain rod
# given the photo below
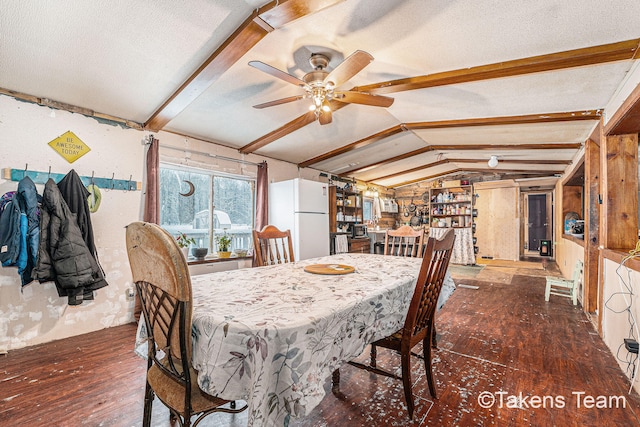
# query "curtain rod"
(215, 156)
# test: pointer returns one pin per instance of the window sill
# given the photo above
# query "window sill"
(211, 260)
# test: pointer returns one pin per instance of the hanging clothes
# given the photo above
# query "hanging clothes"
(63, 255)
(76, 195)
(28, 199)
(20, 229)
(9, 229)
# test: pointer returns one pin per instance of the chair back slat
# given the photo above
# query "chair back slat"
(405, 241)
(272, 246)
(437, 255)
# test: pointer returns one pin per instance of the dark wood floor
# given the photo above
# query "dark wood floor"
(500, 340)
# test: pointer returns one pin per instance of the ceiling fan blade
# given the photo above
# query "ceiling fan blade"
(279, 101)
(349, 68)
(325, 117)
(363, 98)
(277, 73)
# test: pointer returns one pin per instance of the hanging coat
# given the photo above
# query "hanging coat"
(76, 195)
(63, 256)
(10, 232)
(29, 228)
(20, 229)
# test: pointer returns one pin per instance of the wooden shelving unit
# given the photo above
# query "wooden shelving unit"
(451, 207)
(345, 208)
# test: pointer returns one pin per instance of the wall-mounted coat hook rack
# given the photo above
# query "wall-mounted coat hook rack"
(39, 177)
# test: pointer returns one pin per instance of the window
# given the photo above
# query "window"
(193, 199)
(367, 209)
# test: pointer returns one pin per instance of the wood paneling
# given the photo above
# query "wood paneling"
(619, 156)
(592, 226)
(572, 200)
(626, 119)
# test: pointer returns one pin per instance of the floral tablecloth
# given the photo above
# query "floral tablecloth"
(463, 252)
(273, 335)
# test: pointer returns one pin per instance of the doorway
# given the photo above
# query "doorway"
(538, 214)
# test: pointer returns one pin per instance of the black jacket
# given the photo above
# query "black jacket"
(75, 194)
(63, 255)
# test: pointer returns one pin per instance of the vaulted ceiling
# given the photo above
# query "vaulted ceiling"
(524, 81)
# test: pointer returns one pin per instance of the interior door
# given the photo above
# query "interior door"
(537, 220)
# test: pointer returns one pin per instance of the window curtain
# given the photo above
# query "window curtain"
(151, 197)
(262, 199)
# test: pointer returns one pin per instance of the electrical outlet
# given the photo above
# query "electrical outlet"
(131, 293)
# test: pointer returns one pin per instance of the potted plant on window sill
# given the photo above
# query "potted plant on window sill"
(224, 242)
(183, 242)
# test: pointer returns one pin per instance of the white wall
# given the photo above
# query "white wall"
(35, 313)
(616, 320)
(188, 156)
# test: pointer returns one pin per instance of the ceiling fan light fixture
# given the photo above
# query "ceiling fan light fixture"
(493, 162)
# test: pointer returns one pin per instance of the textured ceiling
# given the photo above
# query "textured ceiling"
(126, 59)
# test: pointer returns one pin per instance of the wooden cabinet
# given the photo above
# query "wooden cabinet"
(361, 246)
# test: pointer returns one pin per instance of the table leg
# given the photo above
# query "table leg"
(335, 380)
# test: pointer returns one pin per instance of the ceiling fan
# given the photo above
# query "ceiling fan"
(320, 85)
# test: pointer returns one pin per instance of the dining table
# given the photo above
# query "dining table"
(273, 335)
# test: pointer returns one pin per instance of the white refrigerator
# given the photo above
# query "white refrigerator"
(302, 206)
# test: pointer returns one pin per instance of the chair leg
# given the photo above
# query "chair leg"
(148, 404)
(434, 339)
(335, 380)
(406, 381)
(547, 291)
(426, 352)
(574, 294)
(374, 353)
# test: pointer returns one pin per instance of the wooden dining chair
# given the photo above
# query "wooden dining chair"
(272, 246)
(419, 323)
(161, 276)
(405, 241)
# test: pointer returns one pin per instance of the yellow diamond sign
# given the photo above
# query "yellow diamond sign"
(69, 146)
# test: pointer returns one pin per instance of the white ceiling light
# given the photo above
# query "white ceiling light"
(493, 162)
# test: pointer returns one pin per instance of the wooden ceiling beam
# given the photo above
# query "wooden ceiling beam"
(624, 50)
(556, 146)
(515, 161)
(481, 121)
(619, 51)
(480, 170)
(446, 161)
(568, 116)
(354, 145)
(267, 18)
